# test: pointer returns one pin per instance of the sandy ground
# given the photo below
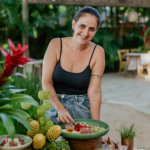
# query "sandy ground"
(115, 115)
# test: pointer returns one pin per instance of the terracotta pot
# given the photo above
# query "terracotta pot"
(128, 142)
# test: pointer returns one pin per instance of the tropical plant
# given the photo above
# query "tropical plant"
(105, 39)
(127, 131)
(9, 95)
(32, 83)
(145, 33)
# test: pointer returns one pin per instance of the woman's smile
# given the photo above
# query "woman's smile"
(83, 37)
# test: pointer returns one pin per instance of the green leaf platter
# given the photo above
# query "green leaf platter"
(89, 135)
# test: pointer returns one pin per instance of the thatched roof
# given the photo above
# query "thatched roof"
(114, 3)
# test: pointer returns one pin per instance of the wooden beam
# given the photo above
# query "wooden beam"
(113, 3)
(25, 22)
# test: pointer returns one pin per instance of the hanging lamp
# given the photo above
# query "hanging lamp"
(132, 16)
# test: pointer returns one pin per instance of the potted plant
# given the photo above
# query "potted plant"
(127, 134)
(9, 95)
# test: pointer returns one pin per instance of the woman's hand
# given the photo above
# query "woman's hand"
(64, 116)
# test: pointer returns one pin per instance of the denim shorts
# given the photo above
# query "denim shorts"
(77, 105)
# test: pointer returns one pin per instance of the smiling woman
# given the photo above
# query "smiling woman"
(74, 74)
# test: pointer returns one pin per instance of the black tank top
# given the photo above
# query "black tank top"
(71, 83)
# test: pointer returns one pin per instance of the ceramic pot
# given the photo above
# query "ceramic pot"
(128, 142)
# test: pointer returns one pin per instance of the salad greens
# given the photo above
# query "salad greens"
(56, 145)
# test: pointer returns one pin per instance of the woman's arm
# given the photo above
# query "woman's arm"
(50, 59)
(94, 89)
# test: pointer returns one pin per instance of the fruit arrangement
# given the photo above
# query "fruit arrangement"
(78, 128)
(42, 127)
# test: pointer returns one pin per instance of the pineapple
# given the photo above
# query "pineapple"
(38, 141)
(35, 128)
(53, 132)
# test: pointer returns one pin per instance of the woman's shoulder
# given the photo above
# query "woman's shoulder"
(54, 45)
(98, 48)
(57, 41)
(98, 57)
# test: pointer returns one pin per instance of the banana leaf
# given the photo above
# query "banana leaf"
(11, 91)
(2, 130)
(4, 98)
(8, 123)
(20, 119)
(7, 87)
(7, 114)
(14, 110)
(17, 98)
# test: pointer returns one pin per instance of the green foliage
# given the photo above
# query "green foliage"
(53, 21)
(105, 39)
(132, 40)
(1, 63)
(8, 114)
(11, 8)
(127, 131)
(145, 38)
(57, 145)
(31, 83)
(141, 49)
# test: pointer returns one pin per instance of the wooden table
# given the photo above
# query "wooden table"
(132, 56)
(83, 144)
(139, 61)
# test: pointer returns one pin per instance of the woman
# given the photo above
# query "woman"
(72, 71)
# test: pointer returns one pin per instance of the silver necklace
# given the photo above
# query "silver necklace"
(74, 55)
(78, 57)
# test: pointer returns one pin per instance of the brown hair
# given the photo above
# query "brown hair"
(89, 10)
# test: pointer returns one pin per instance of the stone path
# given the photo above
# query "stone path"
(126, 99)
(134, 92)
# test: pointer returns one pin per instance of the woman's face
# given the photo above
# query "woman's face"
(85, 28)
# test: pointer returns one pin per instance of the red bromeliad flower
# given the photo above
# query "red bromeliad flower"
(147, 39)
(145, 28)
(144, 34)
(12, 61)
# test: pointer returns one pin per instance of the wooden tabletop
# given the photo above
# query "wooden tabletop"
(133, 54)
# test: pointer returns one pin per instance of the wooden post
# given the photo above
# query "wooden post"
(25, 22)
